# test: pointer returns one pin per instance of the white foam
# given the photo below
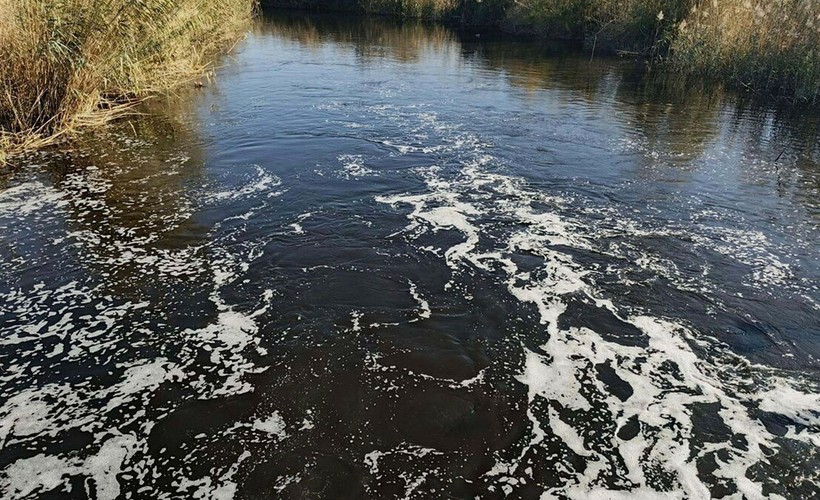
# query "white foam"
(424, 307)
(785, 400)
(559, 374)
(273, 425)
(46, 472)
(353, 167)
(263, 182)
(50, 325)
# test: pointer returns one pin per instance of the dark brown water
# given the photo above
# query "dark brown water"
(374, 260)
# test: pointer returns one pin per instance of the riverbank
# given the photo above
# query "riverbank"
(78, 63)
(770, 48)
(385, 259)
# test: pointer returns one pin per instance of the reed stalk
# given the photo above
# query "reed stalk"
(71, 64)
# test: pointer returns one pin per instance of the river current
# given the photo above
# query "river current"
(382, 260)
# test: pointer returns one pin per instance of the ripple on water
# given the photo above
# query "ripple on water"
(446, 322)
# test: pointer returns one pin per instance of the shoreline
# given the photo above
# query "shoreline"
(781, 66)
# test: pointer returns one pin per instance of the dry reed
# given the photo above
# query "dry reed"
(770, 46)
(68, 64)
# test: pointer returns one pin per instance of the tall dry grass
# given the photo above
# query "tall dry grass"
(417, 9)
(768, 46)
(771, 46)
(622, 24)
(66, 64)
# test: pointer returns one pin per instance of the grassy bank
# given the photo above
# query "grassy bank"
(67, 64)
(768, 47)
(772, 47)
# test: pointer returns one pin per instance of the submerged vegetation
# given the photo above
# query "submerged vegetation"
(764, 46)
(65, 64)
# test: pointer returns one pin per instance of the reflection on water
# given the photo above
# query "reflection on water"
(381, 260)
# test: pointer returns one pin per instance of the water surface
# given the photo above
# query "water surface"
(375, 260)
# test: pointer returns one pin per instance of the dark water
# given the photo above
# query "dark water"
(373, 260)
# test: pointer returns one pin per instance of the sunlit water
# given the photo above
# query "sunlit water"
(380, 261)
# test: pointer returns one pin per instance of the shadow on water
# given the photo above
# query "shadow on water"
(122, 193)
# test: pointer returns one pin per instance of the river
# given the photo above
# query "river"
(380, 260)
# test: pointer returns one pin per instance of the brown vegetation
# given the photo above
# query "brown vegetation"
(65, 64)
